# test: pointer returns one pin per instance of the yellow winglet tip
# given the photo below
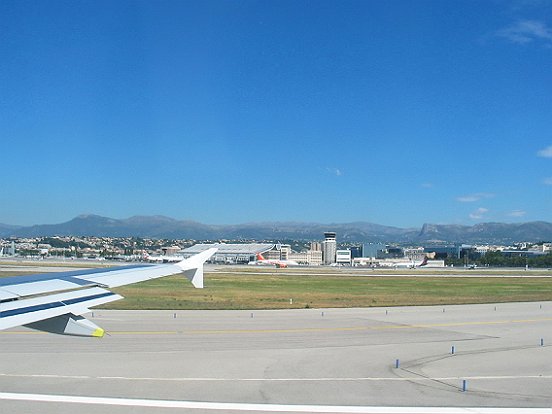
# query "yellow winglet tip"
(98, 333)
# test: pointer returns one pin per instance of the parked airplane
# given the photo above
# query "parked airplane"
(405, 265)
(54, 302)
(162, 259)
(273, 262)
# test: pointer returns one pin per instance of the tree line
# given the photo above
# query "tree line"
(498, 259)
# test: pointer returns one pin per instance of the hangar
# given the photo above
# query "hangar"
(231, 253)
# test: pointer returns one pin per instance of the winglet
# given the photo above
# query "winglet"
(193, 266)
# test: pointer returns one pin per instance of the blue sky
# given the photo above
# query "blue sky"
(392, 112)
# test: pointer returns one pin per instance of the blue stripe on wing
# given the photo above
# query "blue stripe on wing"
(51, 305)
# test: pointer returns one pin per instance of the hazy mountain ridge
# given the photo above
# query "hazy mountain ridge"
(7, 228)
(488, 232)
(162, 227)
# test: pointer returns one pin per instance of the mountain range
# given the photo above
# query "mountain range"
(161, 227)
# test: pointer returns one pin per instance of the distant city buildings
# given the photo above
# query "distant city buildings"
(374, 250)
(316, 246)
(325, 252)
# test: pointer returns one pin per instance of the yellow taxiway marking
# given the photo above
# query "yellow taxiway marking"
(452, 324)
(313, 330)
(143, 332)
(369, 328)
(342, 329)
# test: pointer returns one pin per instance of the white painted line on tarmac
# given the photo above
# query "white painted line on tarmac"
(284, 408)
(339, 379)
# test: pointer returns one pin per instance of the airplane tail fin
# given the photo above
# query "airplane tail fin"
(424, 262)
(193, 267)
(260, 257)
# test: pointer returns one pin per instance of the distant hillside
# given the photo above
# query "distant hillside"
(7, 228)
(165, 227)
(161, 227)
(93, 225)
(499, 233)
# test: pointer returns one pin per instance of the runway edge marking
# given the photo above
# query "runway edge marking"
(221, 406)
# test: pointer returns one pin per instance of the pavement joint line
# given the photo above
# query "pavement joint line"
(228, 406)
(342, 379)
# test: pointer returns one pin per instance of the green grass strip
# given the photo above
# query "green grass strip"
(269, 291)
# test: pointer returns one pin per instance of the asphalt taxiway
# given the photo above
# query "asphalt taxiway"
(311, 360)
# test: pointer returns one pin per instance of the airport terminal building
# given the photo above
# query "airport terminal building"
(238, 253)
(232, 253)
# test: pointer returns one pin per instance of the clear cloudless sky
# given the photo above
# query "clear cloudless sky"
(392, 112)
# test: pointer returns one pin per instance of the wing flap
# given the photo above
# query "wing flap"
(35, 288)
(26, 311)
(54, 303)
(6, 295)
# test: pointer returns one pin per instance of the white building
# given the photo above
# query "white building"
(343, 257)
(314, 257)
(309, 257)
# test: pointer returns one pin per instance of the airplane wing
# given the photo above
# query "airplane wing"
(54, 302)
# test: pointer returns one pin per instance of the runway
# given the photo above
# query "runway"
(376, 360)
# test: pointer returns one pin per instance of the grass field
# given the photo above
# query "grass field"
(270, 291)
(269, 288)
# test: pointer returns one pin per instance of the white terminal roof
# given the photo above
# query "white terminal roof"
(223, 248)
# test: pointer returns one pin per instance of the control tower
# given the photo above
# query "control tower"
(329, 246)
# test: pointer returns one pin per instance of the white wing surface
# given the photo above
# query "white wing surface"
(54, 302)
